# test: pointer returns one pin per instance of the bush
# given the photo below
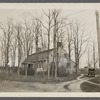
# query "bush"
(30, 71)
(62, 72)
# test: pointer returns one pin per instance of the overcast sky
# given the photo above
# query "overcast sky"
(85, 13)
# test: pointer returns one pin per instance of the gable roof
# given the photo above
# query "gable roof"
(45, 51)
(42, 56)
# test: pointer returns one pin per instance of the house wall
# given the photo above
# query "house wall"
(62, 62)
(63, 66)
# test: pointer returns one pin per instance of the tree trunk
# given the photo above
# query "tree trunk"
(70, 66)
(77, 66)
(55, 49)
(69, 47)
(26, 67)
(18, 72)
(36, 65)
(48, 68)
(43, 68)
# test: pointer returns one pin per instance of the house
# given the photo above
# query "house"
(41, 59)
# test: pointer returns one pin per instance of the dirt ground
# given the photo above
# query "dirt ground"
(12, 86)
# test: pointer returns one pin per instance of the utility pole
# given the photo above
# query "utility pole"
(98, 37)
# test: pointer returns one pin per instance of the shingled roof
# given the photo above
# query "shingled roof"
(42, 56)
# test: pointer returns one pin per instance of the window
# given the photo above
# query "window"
(67, 65)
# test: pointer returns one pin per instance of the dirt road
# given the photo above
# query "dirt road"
(74, 86)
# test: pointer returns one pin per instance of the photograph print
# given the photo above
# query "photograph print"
(50, 48)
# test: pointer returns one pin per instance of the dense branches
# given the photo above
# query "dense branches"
(21, 38)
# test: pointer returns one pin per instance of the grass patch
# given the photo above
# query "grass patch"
(66, 87)
(84, 76)
(83, 71)
(88, 87)
(68, 77)
(95, 80)
(22, 78)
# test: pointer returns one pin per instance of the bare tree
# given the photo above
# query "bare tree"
(48, 31)
(37, 32)
(92, 55)
(70, 44)
(18, 30)
(42, 47)
(2, 51)
(28, 36)
(13, 50)
(80, 42)
(7, 30)
(55, 14)
(58, 25)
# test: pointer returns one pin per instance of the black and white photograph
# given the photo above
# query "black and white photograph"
(51, 48)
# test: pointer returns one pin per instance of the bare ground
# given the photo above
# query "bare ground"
(72, 86)
(75, 85)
